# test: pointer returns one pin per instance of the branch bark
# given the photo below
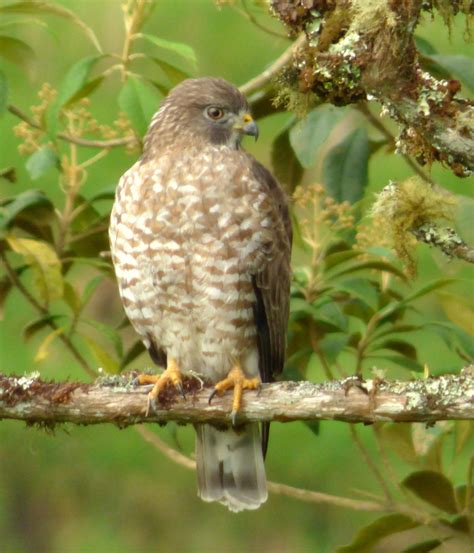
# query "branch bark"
(115, 399)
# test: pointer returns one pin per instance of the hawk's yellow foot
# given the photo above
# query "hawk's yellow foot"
(171, 375)
(237, 380)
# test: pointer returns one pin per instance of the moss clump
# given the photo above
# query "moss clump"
(401, 208)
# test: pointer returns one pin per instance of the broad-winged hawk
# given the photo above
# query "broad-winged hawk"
(201, 238)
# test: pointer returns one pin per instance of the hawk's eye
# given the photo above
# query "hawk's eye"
(215, 113)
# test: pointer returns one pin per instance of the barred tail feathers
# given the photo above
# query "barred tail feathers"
(230, 467)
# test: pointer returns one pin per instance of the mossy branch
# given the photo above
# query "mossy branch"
(359, 50)
(117, 400)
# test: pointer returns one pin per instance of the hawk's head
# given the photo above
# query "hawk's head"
(208, 110)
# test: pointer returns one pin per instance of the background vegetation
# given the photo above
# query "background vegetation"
(355, 306)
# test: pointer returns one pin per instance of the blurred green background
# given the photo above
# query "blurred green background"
(100, 489)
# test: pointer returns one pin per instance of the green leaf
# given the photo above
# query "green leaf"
(8, 173)
(31, 329)
(377, 265)
(458, 311)
(345, 167)
(461, 496)
(331, 313)
(71, 297)
(41, 162)
(400, 360)
(43, 351)
(462, 67)
(432, 487)
(332, 345)
(3, 92)
(131, 354)
(423, 547)
(39, 8)
(428, 288)
(74, 80)
(89, 236)
(22, 202)
(17, 52)
(460, 524)
(309, 134)
(6, 287)
(139, 101)
(362, 289)
(335, 259)
(172, 74)
(424, 46)
(183, 51)
(398, 438)
(299, 308)
(86, 90)
(396, 329)
(358, 309)
(400, 346)
(314, 426)
(45, 265)
(108, 194)
(112, 335)
(455, 338)
(464, 430)
(90, 288)
(105, 360)
(103, 266)
(369, 536)
(286, 167)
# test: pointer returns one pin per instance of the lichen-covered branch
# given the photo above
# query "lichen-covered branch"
(117, 400)
(358, 50)
(446, 239)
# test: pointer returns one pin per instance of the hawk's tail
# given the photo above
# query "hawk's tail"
(230, 466)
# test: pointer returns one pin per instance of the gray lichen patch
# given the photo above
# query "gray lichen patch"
(434, 393)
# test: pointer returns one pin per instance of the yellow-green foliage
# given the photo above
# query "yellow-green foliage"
(402, 207)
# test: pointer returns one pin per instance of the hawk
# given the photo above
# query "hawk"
(200, 237)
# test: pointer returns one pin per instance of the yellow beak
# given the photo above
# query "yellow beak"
(247, 125)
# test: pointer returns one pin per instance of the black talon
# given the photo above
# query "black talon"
(233, 417)
(214, 392)
(180, 388)
(153, 403)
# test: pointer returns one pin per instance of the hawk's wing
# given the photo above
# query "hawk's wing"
(272, 284)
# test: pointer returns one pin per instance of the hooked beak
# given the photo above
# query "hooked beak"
(246, 125)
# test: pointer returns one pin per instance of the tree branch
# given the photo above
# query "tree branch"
(112, 143)
(446, 239)
(116, 399)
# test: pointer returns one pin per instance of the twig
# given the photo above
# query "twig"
(318, 497)
(378, 475)
(113, 143)
(261, 80)
(250, 17)
(167, 451)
